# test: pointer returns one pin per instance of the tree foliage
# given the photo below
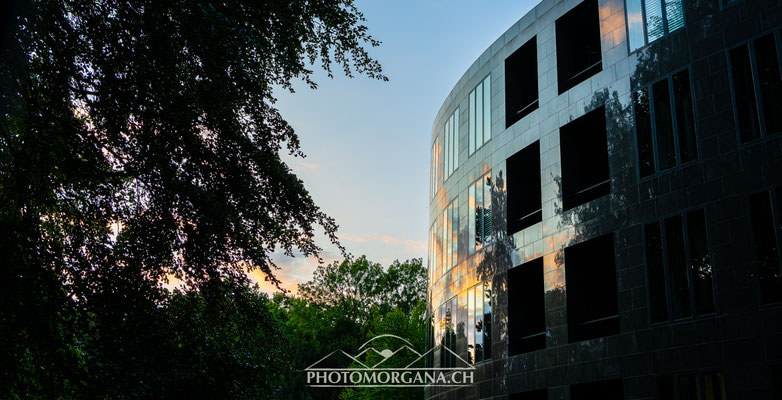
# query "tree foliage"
(344, 305)
(139, 141)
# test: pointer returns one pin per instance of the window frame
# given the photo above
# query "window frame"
(675, 126)
(474, 111)
(750, 43)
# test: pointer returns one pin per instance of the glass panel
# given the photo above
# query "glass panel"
(635, 24)
(479, 135)
(688, 387)
(674, 14)
(770, 82)
(479, 323)
(447, 134)
(766, 249)
(486, 320)
(487, 213)
(666, 153)
(658, 305)
(744, 91)
(643, 129)
(445, 239)
(655, 28)
(461, 328)
(700, 262)
(471, 326)
(685, 120)
(455, 126)
(455, 232)
(479, 219)
(471, 218)
(486, 109)
(680, 288)
(471, 122)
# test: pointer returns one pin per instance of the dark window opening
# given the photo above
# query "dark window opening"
(776, 378)
(663, 123)
(578, 45)
(766, 238)
(524, 207)
(584, 159)
(679, 267)
(526, 308)
(643, 128)
(486, 320)
(604, 390)
(757, 87)
(685, 118)
(521, 82)
(590, 276)
(541, 394)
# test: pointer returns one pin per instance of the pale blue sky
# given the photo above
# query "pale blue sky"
(367, 142)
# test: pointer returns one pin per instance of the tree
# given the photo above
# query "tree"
(345, 304)
(139, 141)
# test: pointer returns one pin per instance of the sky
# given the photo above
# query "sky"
(367, 142)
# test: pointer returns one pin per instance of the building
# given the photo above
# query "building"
(606, 205)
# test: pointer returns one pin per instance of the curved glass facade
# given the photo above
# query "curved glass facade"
(606, 205)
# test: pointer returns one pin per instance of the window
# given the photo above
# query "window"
(448, 333)
(584, 159)
(524, 209)
(649, 20)
(479, 323)
(451, 143)
(766, 220)
(688, 386)
(603, 390)
(434, 179)
(757, 87)
(541, 394)
(479, 213)
(679, 268)
(432, 259)
(526, 308)
(665, 124)
(450, 235)
(480, 115)
(590, 277)
(521, 82)
(578, 45)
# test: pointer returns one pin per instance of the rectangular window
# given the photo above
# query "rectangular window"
(480, 115)
(471, 325)
(584, 159)
(665, 124)
(765, 223)
(434, 179)
(480, 213)
(451, 235)
(451, 130)
(679, 267)
(649, 20)
(526, 308)
(432, 254)
(521, 82)
(578, 45)
(524, 204)
(487, 320)
(757, 87)
(603, 390)
(590, 277)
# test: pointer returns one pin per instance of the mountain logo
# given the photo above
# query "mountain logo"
(387, 361)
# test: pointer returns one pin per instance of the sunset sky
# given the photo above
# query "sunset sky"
(367, 142)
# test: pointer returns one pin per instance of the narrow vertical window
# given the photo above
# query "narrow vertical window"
(486, 109)
(766, 245)
(521, 82)
(487, 320)
(744, 92)
(635, 24)
(451, 133)
(471, 122)
(480, 212)
(479, 323)
(664, 124)
(471, 218)
(526, 308)
(643, 128)
(455, 232)
(685, 119)
(680, 290)
(700, 263)
(524, 201)
(658, 305)
(480, 114)
(487, 210)
(471, 325)
(770, 82)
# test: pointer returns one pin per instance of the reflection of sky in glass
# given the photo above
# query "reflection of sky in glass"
(635, 26)
(654, 20)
